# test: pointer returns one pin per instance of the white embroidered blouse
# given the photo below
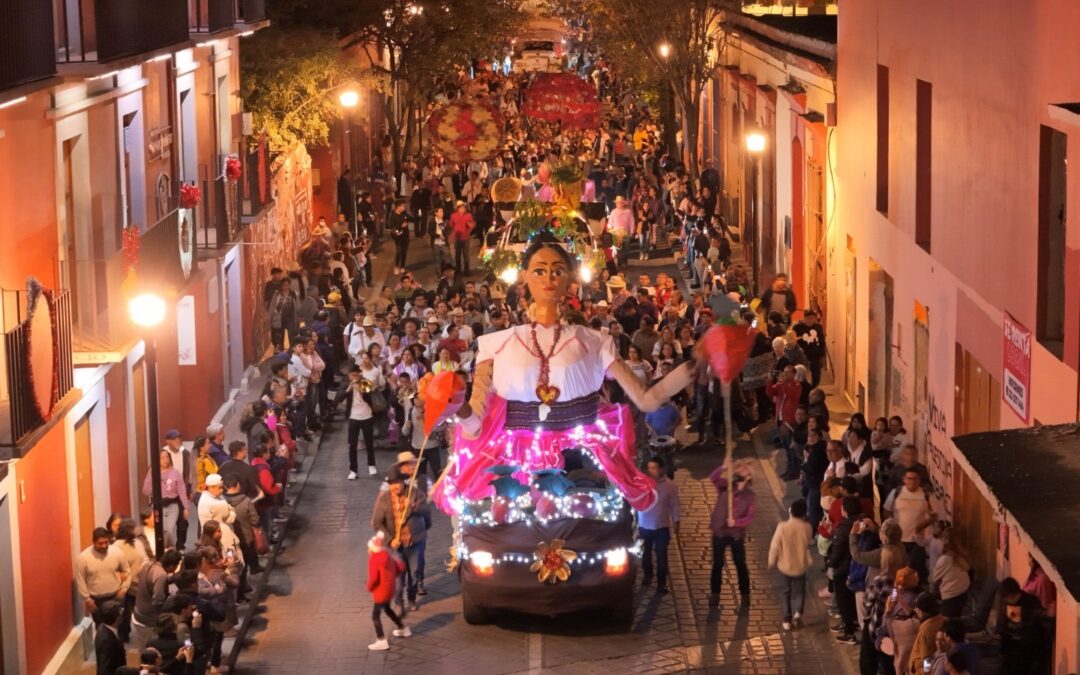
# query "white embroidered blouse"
(578, 363)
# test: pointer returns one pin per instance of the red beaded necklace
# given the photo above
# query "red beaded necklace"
(545, 391)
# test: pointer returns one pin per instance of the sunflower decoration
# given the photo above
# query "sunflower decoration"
(466, 130)
(552, 562)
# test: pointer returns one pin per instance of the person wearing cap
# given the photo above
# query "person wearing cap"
(383, 571)
(602, 311)
(617, 291)
(620, 222)
(184, 464)
(461, 227)
(361, 336)
(406, 519)
(213, 499)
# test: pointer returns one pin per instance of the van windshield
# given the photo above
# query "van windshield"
(538, 46)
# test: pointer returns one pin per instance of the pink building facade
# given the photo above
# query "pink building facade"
(953, 212)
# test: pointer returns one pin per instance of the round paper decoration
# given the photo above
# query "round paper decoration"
(466, 130)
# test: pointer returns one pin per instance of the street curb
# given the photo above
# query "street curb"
(768, 466)
(259, 590)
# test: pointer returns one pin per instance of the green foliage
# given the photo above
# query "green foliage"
(566, 172)
(290, 83)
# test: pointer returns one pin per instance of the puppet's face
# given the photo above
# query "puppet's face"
(547, 276)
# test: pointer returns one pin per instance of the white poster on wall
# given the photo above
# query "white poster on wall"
(185, 330)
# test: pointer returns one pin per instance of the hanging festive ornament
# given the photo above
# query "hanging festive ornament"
(565, 99)
(232, 168)
(190, 195)
(553, 562)
(729, 346)
(443, 394)
(466, 130)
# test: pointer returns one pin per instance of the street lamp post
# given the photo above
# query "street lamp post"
(755, 145)
(349, 99)
(148, 311)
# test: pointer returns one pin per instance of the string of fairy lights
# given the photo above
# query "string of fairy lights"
(583, 559)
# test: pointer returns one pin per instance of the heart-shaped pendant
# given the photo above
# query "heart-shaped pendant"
(547, 393)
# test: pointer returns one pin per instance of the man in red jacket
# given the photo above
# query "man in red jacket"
(383, 571)
(785, 394)
(461, 227)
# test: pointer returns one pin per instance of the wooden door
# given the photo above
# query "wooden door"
(84, 481)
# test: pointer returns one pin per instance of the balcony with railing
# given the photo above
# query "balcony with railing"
(26, 34)
(218, 215)
(211, 16)
(88, 31)
(38, 370)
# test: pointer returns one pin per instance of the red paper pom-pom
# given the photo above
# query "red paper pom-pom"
(190, 196)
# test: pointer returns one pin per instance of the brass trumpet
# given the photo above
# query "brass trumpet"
(365, 385)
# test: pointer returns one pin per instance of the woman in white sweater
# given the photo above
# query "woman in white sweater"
(789, 553)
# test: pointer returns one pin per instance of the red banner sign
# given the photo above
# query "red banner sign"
(1016, 368)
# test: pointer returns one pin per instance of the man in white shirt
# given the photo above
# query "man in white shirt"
(473, 188)
(909, 505)
(361, 340)
(102, 574)
(215, 487)
(457, 315)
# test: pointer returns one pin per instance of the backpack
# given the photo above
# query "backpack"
(856, 579)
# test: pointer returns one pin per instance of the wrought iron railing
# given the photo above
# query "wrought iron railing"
(219, 213)
(24, 413)
(26, 38)
(103, 30)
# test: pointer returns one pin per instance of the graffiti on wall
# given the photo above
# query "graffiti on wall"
(938, 461)
(274, 241)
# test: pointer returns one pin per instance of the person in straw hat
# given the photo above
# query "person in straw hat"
(403, 512)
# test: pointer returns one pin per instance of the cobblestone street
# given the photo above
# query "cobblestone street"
(316, 617)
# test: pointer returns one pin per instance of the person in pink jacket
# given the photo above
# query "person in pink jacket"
(729, 530)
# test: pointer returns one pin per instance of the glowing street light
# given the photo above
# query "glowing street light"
(349, 98)
(755, 142)
(146, 310)
(664, 49)
(755, 145)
